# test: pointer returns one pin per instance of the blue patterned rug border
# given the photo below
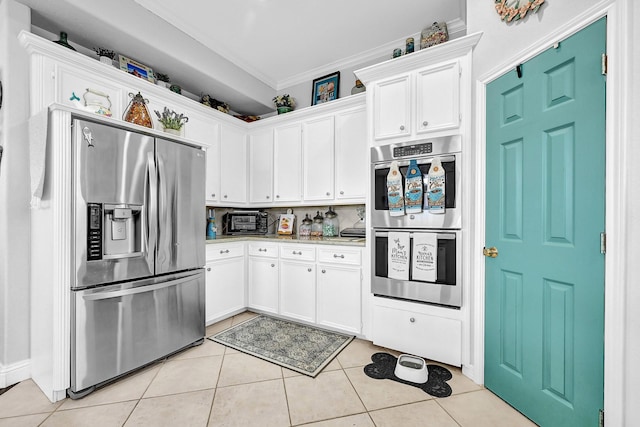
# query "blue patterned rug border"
(302, 348)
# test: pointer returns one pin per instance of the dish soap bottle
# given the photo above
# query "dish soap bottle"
(394, 190)
(435, 187)
(413, 188)
(211, 226)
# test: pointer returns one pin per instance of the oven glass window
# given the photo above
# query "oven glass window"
(446, 268)
(380, 196)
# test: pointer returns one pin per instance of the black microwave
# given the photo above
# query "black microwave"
(244, 222)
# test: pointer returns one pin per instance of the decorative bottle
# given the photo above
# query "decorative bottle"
(316, 227)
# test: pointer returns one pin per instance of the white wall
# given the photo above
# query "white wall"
(503, 44)
(14, 197)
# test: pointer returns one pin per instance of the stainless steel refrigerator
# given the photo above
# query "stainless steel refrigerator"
(138, 251)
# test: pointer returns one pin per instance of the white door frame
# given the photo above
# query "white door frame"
(617, 123)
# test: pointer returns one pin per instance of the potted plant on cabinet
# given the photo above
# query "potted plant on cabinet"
(105, 55)
(171, 121)
(284, 103)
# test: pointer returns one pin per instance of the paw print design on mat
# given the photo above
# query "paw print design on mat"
(384, 365)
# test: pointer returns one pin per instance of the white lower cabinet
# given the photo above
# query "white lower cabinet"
(225, 281)
(298, 290)
(429, 336)
(339, 297)
(263, 270)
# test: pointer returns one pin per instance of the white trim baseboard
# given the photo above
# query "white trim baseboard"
(617, 102)
(14, 373)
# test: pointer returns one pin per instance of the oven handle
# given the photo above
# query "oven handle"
(439, 236)
(420, 160)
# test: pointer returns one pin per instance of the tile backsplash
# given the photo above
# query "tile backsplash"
(347, 215)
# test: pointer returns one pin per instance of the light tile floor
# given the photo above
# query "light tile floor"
(211, 385)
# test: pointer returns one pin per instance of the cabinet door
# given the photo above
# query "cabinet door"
(287, 165)
(298, 290)
(261, 166)
(392, 107)
(225, 291)
(233, 165)
(212, 186)
(263, 284)
(339, 297)
(318, 159)
(438, 98)
(351, 146)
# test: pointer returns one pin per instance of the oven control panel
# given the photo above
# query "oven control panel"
(412, 150)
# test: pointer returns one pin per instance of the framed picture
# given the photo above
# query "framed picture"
(136, 68)
(325, 88)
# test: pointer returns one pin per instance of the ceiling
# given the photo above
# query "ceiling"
(244, 51)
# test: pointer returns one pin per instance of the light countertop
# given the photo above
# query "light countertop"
(343, 241)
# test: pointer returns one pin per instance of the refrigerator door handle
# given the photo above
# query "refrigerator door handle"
(151, 203)
(137, 290)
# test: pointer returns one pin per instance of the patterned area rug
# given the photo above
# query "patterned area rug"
(384, 365)
(298, 347)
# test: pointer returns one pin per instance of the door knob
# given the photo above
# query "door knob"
(491, 252)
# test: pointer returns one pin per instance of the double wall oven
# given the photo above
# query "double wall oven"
(443, 286)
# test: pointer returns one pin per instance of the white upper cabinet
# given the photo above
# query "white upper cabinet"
(261, 166)
(438, 98)
(352, 165)
(287, 167)
(392, 107)
(212, 185)
(318, 159)
(233, 165)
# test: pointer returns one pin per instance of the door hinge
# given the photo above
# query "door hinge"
(603, 243)
(605, 61)
(601, 418)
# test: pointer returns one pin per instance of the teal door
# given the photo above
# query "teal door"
(544, 313)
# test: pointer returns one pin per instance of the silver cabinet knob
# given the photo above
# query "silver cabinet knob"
(328, 194)
(324, 271)
(277, 196)
(273, 265)
(208, 268)
(401, 127)
(225, 196)
(412, 320)
(268, 197)
(342, 193)
(213, 194)
(309, 269)
(425, 123)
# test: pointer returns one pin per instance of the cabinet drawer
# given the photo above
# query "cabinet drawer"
(224, 251)
(298, 252)
(268, 250)
(432, 337)
(339, 255)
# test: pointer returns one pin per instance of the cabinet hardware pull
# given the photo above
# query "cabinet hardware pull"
(277, 196)
(338, 256)
(341, 193)
(224, 252)
(412, 320)
(273, 265)
(401, 127)
(267, 197)
(262, 250)
(324, 271)
(425, 123)
(225, 196)
(297, 253)
(309, 269)
(208, 268)
(328, 194)
(213, 194)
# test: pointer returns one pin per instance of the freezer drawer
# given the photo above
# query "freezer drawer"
(118, 328)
